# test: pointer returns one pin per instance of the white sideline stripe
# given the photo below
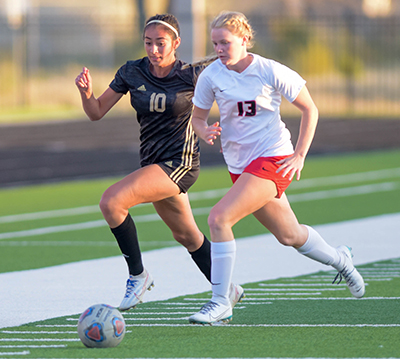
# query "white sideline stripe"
(348, 178)
(263, 290)
(38, 340)
(311, 196)
(32, 346)
(69, 289)
(110, 243)
(275, 325)
(194, 196)
(25, 352)
(36, 332)
(87, 225)
(343, 192)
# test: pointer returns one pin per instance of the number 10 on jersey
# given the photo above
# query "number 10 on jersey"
(157, 102)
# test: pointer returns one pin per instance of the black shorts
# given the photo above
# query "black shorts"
(183, 176)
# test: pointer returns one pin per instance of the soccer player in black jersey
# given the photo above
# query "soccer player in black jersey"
(161, 93)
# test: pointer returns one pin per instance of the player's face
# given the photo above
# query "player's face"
(229, 47)
(159, 45)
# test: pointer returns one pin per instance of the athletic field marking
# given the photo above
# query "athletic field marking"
(33, 346)
(37, 340)
(210, 194)
(245, 300)
(110, 243)
(368, 275)
(36, 332)
(26, 352)
(386, 265)
(273, 325)
(292, 285)
(263, 290)
(311, 196)
(348, 178)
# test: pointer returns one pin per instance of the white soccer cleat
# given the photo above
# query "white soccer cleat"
(236, 294)
(136, 287)
(212, 313)
(353, 278)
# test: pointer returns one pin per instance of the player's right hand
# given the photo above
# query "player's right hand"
(212, 132)
(84, 82)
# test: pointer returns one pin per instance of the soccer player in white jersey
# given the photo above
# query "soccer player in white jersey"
(161, 91)
(260, 156)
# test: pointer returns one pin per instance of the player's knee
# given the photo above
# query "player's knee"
(108, 204)
(216, 220)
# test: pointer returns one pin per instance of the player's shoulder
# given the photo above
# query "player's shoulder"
(265, 62)
(133, 65)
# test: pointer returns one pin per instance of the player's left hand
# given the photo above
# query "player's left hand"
(291, 166)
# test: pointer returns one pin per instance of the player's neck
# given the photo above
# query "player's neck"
(242, 64)
(161, 71)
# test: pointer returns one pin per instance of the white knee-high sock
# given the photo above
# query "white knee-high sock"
(316, 248)
(223, 256)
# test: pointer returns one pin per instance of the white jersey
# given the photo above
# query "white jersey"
(249, 106)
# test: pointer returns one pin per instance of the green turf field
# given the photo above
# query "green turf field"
(298, 317)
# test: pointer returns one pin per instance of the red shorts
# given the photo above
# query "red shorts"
(265, 167)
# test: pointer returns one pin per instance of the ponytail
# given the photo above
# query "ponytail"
(205, 61)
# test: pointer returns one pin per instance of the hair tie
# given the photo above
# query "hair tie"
(165, 24)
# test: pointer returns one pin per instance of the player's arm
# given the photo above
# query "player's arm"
(95, 108)
(199, 121)
(309, 119)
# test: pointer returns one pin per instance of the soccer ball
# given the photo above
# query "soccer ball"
(101, 326)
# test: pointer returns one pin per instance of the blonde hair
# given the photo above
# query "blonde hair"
(236, 23)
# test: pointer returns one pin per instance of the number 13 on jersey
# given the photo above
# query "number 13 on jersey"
(247, 108)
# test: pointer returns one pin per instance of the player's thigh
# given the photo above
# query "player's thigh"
(248, 194)
(278, 217)
(145, 185)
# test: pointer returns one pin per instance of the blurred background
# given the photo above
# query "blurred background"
(348, 51)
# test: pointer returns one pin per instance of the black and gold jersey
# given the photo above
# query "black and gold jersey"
(163, 109)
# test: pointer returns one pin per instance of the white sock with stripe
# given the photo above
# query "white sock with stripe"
(316, 248)
(223, 256)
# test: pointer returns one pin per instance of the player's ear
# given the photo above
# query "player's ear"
(177, 42)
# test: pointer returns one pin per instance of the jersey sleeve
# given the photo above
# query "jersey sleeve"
(203, 92)
(286, 81)
(118, 84)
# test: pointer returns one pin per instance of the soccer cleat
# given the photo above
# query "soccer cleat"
(136, 287)
(353, 278)
(236, 294)
(212, 313)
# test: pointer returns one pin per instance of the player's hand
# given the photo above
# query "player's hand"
(212, 132)
(291, 166)
(84, 82)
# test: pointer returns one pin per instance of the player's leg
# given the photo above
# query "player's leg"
(147, 184)
(177, 214)
(241, 200)
(278, 217)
